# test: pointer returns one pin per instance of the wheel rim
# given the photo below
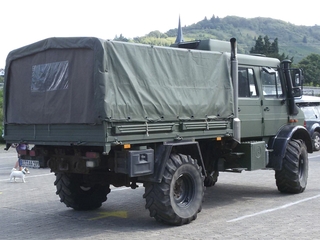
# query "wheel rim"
(85, 189)
(183, 191)
(316, 142)
(301, 167)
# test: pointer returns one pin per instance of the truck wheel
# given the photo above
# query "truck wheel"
(316, 141)
(211, 180)
(178, 198)
(293, 176)
(73, 194)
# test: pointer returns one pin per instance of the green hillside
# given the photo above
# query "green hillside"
(295, 41)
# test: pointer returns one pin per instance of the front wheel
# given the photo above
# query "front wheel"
(293, 176)
(178, 198)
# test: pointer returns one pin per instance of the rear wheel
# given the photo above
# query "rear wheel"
(293, 176)
(210, 180)
(316, 141)
(178, 198)
(75, 194)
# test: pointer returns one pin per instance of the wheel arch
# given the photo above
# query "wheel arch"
(191, 148)
(314, 128)
(278, 144)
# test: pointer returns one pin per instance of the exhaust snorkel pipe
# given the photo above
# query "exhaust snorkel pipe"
(234, 77)
(293, 109)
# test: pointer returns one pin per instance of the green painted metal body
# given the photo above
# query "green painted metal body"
(141, 95)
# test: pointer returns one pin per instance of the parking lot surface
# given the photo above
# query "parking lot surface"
(243, 205)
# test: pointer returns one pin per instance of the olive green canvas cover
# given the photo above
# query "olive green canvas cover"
(88, 80)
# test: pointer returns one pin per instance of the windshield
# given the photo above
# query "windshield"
(310, 112)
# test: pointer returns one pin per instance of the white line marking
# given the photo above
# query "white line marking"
(274, 209)
(5, 168)
(124, 188)
(40, 175)
(33, 176)
(314, 156)
(9, 156)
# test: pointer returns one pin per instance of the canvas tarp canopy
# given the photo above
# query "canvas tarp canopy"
(89, 80)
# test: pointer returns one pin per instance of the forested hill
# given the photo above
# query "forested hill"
(295, 41)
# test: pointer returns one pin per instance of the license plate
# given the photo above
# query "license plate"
(30, 163)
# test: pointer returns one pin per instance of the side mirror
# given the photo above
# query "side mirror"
(297, 77)
(297, 82)
(297, 92)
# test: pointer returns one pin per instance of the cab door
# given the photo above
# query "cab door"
(274, 104)
(250, 112)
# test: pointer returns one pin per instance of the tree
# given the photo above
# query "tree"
(154, 34)
(157, 34)
(121, 38)
(259, 47)
(305, 39)
(274, 48)
(264, 47)
(311, 69)
(267, 45)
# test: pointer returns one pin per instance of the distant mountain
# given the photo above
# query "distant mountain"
(294, 41)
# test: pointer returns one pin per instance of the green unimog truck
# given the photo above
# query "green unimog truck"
(101, 113)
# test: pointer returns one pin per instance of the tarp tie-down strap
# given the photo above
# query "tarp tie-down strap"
(147, 129)
(207, 123)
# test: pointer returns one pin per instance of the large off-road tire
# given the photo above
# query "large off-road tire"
(74, 194)
(293, 176)
(178, 198)
(316, 141)
(211, 180)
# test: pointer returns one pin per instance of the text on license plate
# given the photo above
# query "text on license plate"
(30, 163)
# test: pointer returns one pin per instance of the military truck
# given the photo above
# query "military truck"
(102, 113)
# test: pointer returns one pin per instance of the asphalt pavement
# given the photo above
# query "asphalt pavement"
(243, 205)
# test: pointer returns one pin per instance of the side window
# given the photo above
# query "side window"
(247, 83)
(271, 84)
(252, 83)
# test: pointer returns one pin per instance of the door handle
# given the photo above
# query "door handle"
(266, 109)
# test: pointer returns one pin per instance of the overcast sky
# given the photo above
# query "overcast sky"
(27, 21)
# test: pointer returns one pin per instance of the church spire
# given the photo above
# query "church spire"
(179, 38)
